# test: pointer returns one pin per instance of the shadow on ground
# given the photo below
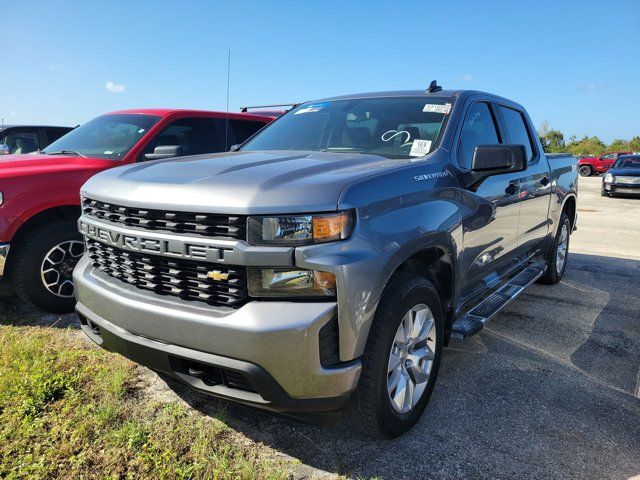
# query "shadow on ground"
(13, 311)
(549, 389)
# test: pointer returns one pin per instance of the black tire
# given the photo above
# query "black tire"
(27, 265)
(552, 275)
(379, 419)
(585, 171)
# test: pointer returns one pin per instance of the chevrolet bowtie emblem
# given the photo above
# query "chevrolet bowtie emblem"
(217, 275)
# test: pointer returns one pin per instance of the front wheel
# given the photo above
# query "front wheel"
(585, 170)
(559, 255)
(402, 357)
(42, 268)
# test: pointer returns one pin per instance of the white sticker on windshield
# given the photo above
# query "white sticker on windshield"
(108, 152)
(435, 108)
(311, 108)
(420, 148)
(141, 130)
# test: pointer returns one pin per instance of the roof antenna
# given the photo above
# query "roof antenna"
(226, 128)
(434, 87)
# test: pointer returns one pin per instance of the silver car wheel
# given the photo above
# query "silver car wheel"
(561, 252)
(57, 268)
(411, 358)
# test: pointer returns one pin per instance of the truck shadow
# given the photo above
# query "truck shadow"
(517, 400)
(13, 311)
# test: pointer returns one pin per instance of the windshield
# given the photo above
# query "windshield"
(109, 136)
(627, 162)
(392, 127)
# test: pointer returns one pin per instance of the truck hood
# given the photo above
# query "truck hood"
(239, 182)
(12, 166)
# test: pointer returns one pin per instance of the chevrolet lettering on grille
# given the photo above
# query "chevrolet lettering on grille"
(147, 244)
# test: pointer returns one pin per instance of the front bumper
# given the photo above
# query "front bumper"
(621, 188)
(273, 345)
(4, 253)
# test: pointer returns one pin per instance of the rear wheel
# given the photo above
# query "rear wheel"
(585, 170)
(402, 357)
(559, 255)
(42, 267)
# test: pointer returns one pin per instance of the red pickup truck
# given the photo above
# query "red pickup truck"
(39, 194)
(593, 165)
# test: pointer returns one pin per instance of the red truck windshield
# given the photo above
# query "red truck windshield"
(109, 136)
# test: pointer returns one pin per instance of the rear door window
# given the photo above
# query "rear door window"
(53, 134)
(20, 140)
(479, 128)
(517, 129)
(243, 129)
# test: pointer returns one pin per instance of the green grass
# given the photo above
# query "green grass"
(69, 410)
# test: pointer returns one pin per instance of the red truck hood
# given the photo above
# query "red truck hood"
(12, 166)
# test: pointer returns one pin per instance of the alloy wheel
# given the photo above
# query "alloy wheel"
(57, 268)
(561, 251)
(411, 358)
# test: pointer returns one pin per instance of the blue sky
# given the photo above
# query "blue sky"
(574, 64)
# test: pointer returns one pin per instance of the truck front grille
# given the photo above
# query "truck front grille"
(185, 279)
(205, 224)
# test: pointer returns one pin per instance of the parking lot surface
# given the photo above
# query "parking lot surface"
(549, 389)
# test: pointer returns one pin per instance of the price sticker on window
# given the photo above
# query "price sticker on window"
(435, 108)
(420, 148)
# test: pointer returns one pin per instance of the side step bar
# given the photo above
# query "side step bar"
(472, 322)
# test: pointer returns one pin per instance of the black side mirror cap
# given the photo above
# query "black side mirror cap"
(164, 151)
(496, 159)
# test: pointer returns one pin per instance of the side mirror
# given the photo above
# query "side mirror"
(164, 151)
(4, 149)
(496, 159)
(234, 148)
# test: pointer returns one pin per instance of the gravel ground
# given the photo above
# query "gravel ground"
(550, 389)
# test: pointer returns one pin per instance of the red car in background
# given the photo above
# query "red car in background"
(39, 193)
(593, 165)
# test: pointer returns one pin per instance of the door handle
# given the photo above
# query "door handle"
(545, 181)
(512, 189)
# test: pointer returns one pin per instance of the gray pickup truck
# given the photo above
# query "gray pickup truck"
(332, 256)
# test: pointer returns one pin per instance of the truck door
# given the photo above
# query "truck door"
(491, 207)
(607, 161)
(535, 181)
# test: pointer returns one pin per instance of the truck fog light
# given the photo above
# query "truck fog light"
(288, 282)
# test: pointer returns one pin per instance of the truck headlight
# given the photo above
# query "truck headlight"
(609, 178)
(1, 198)
(290, 282)
(296, 230)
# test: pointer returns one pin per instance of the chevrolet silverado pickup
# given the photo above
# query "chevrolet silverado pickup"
(332, 256)
(39, 194)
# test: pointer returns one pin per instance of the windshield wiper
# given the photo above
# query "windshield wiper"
(66, 152)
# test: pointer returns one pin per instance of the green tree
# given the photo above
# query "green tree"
(619, 145)
(586, 146)
(552, 140)
(634, 143)
(555, 142)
